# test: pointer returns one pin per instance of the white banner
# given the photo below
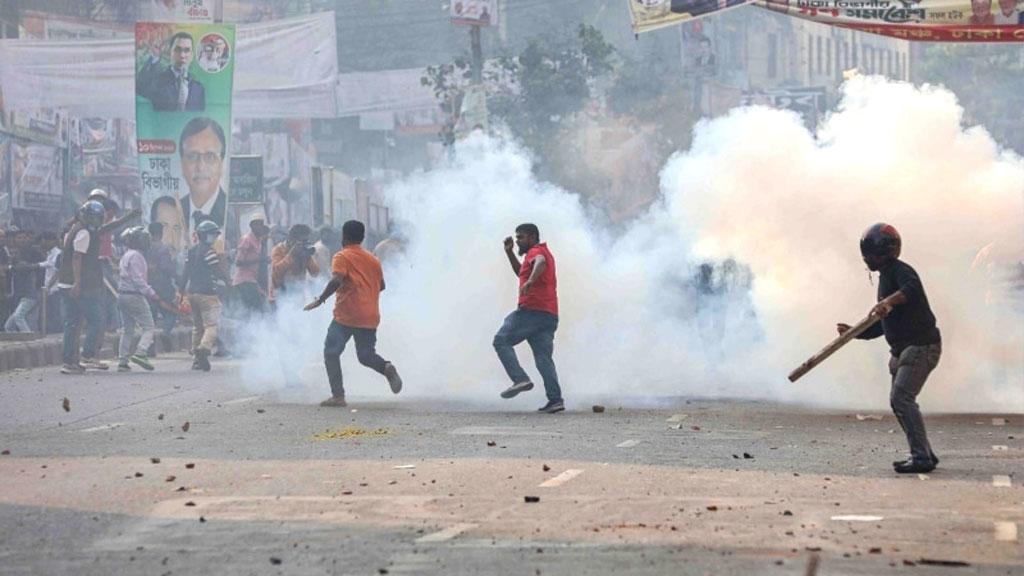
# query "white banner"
(284, 69)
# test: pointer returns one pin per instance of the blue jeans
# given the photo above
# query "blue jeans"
(366, 351)
(18, 322)
(538, 329)
(73, 310)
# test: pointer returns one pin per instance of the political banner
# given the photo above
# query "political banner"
(182, 10)
(474, 12)
(925, 20)
(653, 14)
(183, 83)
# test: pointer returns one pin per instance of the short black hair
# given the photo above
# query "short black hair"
(197, 125)
(170, 43)
(528, 228)
(353, 232)
(156, 229)
(156, 204)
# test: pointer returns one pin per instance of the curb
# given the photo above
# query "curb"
(46, 351)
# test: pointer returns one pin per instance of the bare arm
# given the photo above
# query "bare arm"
(539, 265)
(516, 266)
(115, 224)
(331, 288)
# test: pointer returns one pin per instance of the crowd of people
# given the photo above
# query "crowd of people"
(106, 273)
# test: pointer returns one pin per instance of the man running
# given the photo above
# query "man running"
(357, 282)
(535, 320)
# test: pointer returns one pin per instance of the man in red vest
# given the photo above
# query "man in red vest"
(535, 320)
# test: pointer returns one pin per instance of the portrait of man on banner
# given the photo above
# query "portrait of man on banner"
(171, 86)
(183, 123)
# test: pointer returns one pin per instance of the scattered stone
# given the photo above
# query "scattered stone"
(170, 479)
(492, 443)
(202, 519)
(138, 474)
(349, 432)
(747, 456)
(712, 508)
(787, 513)
(531, 499)
(160, 417)
(695, 428)
(5, 453)
(382, 570)
(154, 460)
(185, 427)
(950, 563)
(875, 551)
(863, 417)
(66, 404)
(190, 504)
(597, 408)
(190, 465)
(181, 489)
(260, 410)
(545, 467)
(275, 561)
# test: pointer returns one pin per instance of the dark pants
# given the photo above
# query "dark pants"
(909, 372)
(73, 311)
(538, 329)
(334, 345)
(252, 301)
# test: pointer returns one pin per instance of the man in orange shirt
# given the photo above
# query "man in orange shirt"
(291, 260)
(357, 282)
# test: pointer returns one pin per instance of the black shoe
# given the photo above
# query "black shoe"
(515, 389)
(203, 359)
(552, 406)
(935, 460)
(914, 467)
(394, 380)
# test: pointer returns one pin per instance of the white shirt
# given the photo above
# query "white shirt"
(1013, 18)
(206, 208)
(50, 266)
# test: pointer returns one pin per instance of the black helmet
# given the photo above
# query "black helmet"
(92, 214)
(880, 244)
(207, 231)
(136, 237)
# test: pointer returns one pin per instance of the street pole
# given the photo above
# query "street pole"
(478, 55)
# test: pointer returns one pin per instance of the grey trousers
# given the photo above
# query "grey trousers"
(909, 372)
(135, 311)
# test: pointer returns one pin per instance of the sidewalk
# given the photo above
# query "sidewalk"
(18, 352)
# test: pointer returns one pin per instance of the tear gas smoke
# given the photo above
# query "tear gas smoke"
(739, 274)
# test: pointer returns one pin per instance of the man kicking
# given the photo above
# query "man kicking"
(535, 320)
(909, 327)
(357, 282)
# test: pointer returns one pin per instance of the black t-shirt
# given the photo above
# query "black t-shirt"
(911, 323)
(202, 275)
(28, 281)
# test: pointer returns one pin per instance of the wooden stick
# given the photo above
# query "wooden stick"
(833, 346)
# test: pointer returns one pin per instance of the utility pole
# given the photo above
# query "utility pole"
(478, 54)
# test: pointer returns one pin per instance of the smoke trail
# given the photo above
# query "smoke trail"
(757, 187)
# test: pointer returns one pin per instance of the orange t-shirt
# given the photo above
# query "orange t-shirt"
(357, 301)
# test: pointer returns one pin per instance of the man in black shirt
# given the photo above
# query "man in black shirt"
(204, 279)
(909, 327)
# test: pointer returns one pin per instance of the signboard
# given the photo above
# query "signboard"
(474, 12)
(183, 82)
(808, 102)
(650, 15)
(246, 181)
(928, 20)
(182, 10)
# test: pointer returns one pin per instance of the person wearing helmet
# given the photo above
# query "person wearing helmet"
(80, 280)
(204, 279)
(909, 328)
(133, 295)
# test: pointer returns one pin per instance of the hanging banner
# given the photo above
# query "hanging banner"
(653, 14)
(183, 84)
(474, 12)
(926, 20)
(182, 10)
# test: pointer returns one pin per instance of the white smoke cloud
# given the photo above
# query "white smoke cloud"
(756, 186)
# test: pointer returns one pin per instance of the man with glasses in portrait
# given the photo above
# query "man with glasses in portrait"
(202, 147)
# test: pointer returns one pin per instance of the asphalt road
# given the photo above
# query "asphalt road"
(407, 485)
